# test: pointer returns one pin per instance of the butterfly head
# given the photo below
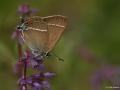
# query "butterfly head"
(22, 27)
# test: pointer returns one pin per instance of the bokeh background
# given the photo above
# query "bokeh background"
(90, 45)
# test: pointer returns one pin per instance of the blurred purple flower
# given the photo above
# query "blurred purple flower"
(46, 85)
(22, 83)
(37, 86)
(39, 66)
(26, 10)
(36, 81)
(104, 73)
(36, 62)
(49, 75)
(96, 81)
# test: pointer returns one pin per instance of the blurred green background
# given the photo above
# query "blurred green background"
(91, 40)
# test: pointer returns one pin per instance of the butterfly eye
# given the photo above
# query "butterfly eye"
(18, 27)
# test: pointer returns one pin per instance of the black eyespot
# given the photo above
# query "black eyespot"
(18, 27)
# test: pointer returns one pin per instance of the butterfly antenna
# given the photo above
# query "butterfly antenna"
(57, 57)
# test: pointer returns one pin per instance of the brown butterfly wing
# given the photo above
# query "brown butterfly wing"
(56, 26)
(36, 35)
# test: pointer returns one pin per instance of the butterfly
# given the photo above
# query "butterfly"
(42, 33)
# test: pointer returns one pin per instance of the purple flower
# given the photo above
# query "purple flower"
(37, 86)
(96, 81)
(49, 75)
(21, 81)
(37, 81)
(37, 64)
(46, 85)
(24, 9)
(104, 73)
(22, 84)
